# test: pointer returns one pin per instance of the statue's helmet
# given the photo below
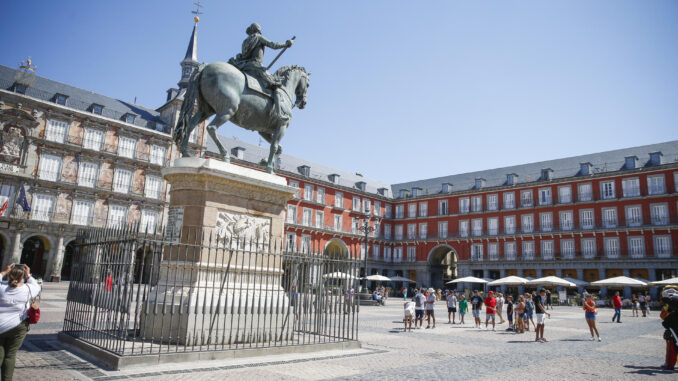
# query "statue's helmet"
(254, 28)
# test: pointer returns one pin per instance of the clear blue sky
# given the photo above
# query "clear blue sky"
(401, 90)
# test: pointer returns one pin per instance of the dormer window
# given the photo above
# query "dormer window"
(416, 192)
(511, 179)
(631, 162)
(547, 174)
(383, 191)
(361, 185)
(334, 178)
(656, 158)
(97, 109)
(60, 99)
(238, 152)
(129, 118)
(304, 170)
(159, 126)
(447, 187)
(20, 88)
(480, 183)
(585, 168)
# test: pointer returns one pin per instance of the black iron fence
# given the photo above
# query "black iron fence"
(135, 294)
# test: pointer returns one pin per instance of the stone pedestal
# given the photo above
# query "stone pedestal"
(220, 281)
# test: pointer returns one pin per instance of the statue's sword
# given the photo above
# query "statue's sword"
(279, 54)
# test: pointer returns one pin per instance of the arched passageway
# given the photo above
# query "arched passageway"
(68, 268)
(443, 263)
(34, 254)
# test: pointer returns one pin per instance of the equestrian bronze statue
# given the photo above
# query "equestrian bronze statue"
(243, 92)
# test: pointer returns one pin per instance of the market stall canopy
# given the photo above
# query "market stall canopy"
(510, 280)
(665, 282)
(339, 275)
(619, 281)
(551, 281)
(468, 279)
(378, 277)
(401, 279)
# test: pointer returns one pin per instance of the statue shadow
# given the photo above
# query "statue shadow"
(647, 370)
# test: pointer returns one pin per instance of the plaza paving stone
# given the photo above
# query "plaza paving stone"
(632, 350)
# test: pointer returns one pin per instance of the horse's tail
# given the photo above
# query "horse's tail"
(192, 96)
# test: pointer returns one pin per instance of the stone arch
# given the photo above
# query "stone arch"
(336, 248)
(442, 261)
(69, 267)
(35, 253)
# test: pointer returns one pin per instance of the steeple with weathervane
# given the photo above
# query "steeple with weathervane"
(190, 62)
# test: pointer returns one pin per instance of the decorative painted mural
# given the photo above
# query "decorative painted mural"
(138, 181)
(100, 213)
(69, 171)
(63, 208)
(106, 175)
(111, 141)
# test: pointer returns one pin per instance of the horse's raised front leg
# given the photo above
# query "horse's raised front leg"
(212, 130)
(276, 148)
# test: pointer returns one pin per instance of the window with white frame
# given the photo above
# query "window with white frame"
(367, 206)
(158, 154)
(610, 217)
(477, 203)
(477, 252)
(443, 209)
(356, 203)
(493, 251)
(49, 168)
(308, 192)
(375, 251)
(566, 220)
(612, 247)
(509, 200)
(423, 209)
(93, 139)
(464, 205)
(423, 230)
(477, 226)
(675, 182)
(526, 198)
(294, 184)
(387, 253)
(588, 248)
(659, 214)
(510, 251)
(442, 229)
(117, 216)
(411, 253)
(337, 222)
(585, 192)
(546, 221)
(510, 225)
(400, 211)
(306, 245)
(291, 241)
(149, 221)
(656, 184)
(387, 231)
(567, 248)
(126, 147)
(43, 207)
(338, 200)
(631, 187)
(355, 225)
(6, 200)
(545, 196)
(634, 216)
(492, 202)
(528, 250)
(377, 208)
(636, 247)
(319, 219)
(153, 187)
(56, 130)
(547, 249)
(87, 174)
(387, 210)
(493, 226)
(586, 220)
(291, 214)
(122, 180)
(307, 217)
(320, 195)
(662, 246)
(81, 212)
(398, 254)
(399, 232)
(565, 194)
(527, 223)
(463, 228)
(411, 210)
(411, 231)
(607, 190)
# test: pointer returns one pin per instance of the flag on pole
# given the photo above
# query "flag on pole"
(4, 203)
(22, 201)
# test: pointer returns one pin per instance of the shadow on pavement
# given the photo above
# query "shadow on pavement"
(648, 370)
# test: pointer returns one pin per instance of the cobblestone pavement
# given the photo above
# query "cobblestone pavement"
(632, 350)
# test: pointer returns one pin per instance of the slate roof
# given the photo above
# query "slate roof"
(79, 99)
(254, 154)
(609, 161)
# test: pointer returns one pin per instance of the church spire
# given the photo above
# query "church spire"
(190, 62)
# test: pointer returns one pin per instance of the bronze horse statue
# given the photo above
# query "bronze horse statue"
(220, 88)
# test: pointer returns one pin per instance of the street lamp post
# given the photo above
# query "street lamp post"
(367, 229)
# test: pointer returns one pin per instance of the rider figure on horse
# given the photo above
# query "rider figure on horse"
(250, 59)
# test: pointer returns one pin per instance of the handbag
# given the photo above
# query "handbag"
(34, 310)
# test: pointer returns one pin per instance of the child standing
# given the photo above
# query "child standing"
(463, 307)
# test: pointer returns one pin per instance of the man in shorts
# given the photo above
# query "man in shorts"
(540, 309)
(430, 303)
(451, 306)
(490, 309)
(419, 301)
(409, 315)
(476, 305)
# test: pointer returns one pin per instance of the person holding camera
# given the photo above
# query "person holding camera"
(669, 316)
(17, 289)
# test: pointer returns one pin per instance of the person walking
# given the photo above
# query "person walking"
(634, 305)
(476, 305)
(509, 313)
(540, 309)
(520, 314)
(490, 309)
(548, 300)
(430, 304)
(404, 291)
(590, 315)
(648, 299)
(617, 304)
(451, 307)
(529, 311)
(500, 306)
(16, 294)
(643, 305)
(463, 308)
(419, 301)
